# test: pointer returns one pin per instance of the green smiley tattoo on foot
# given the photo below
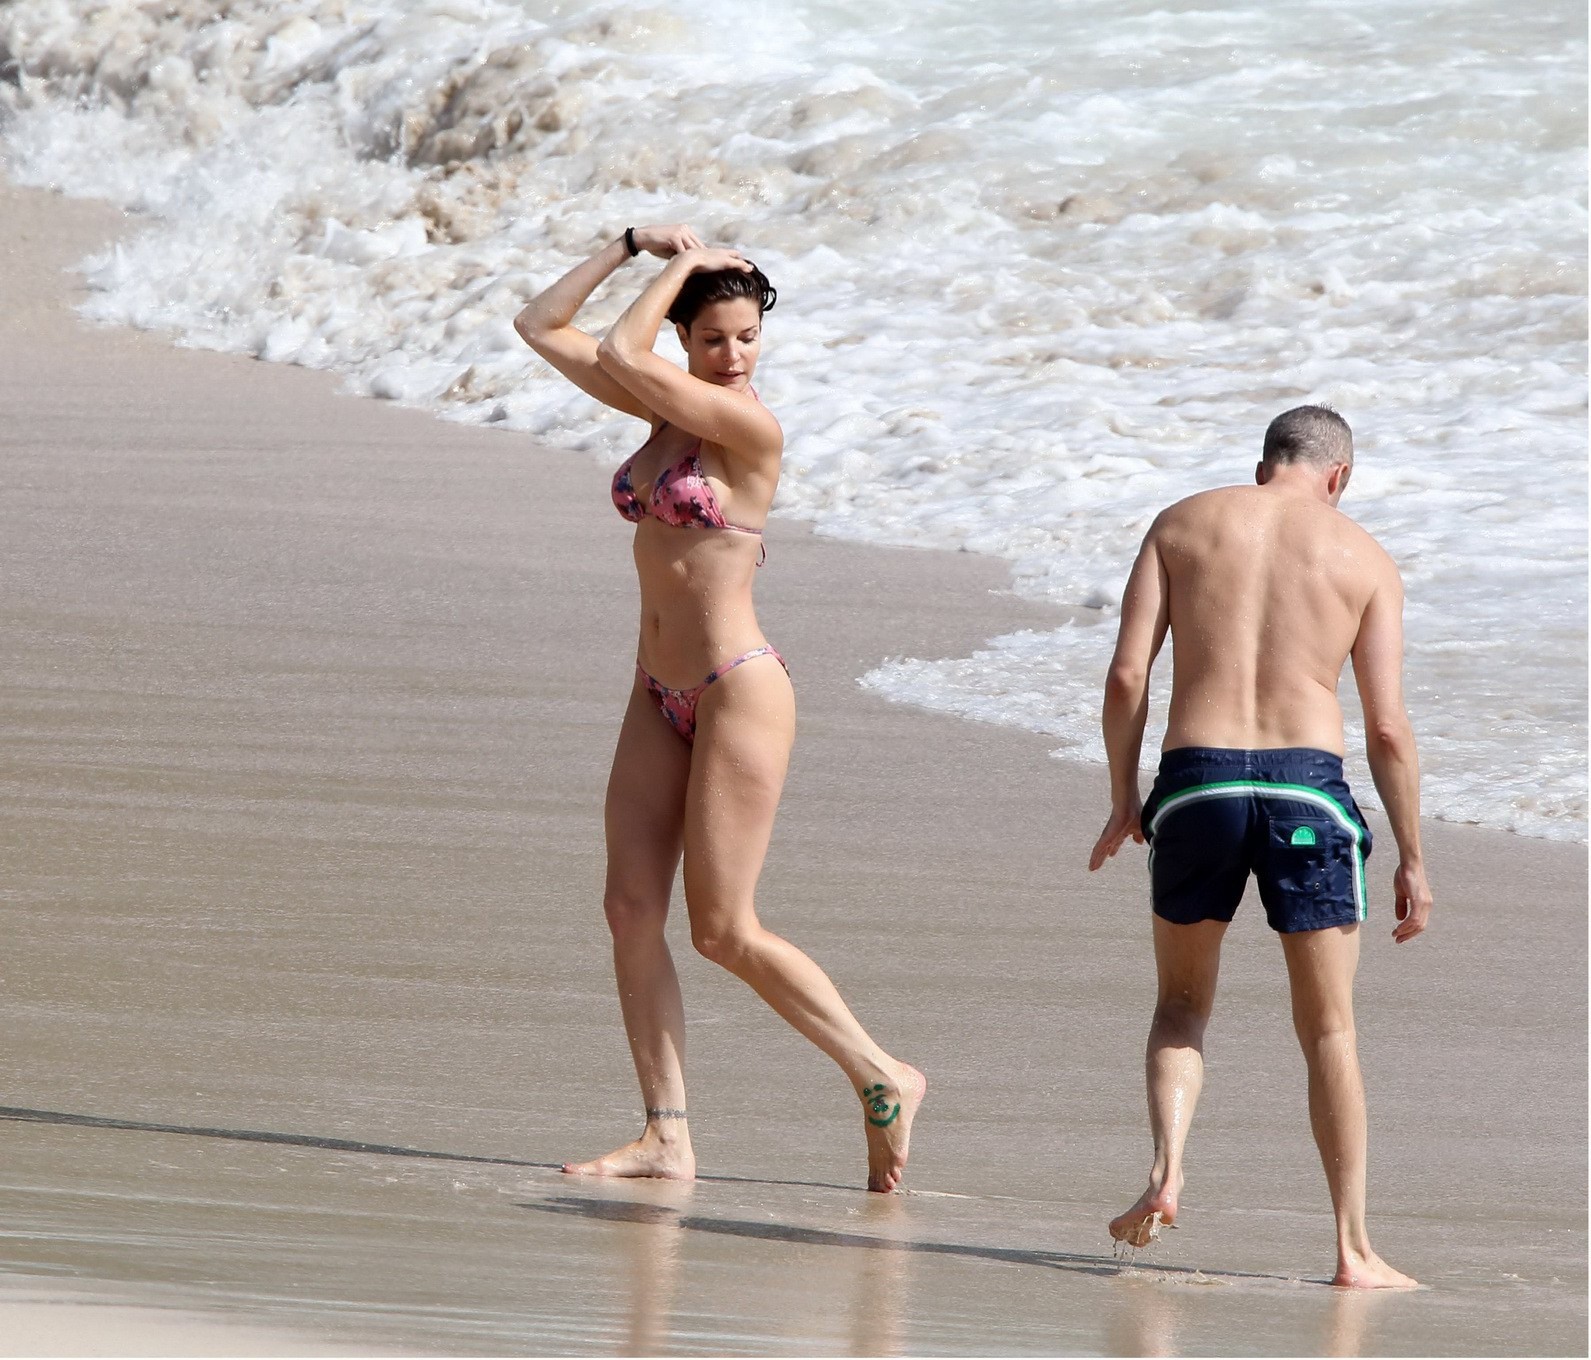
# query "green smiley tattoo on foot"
(876, 1099)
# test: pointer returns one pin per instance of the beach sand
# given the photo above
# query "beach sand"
(305, 992)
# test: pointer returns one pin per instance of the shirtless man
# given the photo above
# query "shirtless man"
(1268, 589)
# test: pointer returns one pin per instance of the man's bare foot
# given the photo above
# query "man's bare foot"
(889, 1111)
(651, 1154)
(1139, 1226)
(1366, 1270)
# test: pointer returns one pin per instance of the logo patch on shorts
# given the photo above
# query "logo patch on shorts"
(1304, 835)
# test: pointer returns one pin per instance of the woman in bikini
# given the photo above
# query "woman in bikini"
(706, 737)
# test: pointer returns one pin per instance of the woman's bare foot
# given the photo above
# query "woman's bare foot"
(1366, 1270)
(889, 1110)
(1156, 1209)
(667, 1156)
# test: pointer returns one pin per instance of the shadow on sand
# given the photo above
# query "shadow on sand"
(65, 1119)
(630, 1211)
(304, 1140)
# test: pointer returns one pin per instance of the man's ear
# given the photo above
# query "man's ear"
(1262, 474)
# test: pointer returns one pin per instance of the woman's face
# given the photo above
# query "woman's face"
(723, 342)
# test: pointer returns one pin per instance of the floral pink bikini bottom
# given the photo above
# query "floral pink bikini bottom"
(679, 705)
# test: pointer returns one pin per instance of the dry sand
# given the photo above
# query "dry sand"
(309, 703)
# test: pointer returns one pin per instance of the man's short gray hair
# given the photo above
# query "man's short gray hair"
(1309, 434)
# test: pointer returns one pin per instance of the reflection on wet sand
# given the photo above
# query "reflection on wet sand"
(1143, 1318)
(1347, 1320)
(651, 1252)
(853, 1301)
(651, 1229)
(866, 1286)
(1157, 1314)
(653, 1224)
(878, 1308)
(1083, 1263)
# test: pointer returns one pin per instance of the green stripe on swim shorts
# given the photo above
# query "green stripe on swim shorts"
(1299, 793)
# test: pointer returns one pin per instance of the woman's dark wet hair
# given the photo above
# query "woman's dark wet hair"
(702, 290)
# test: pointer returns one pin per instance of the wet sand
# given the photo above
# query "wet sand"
(305, 989)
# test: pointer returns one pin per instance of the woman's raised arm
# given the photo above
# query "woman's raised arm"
(736, 421)
(545, 323)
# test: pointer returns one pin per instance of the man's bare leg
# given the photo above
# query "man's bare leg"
(1320, 969)
(1188, 960)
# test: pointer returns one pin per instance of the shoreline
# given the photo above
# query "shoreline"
(1019, 612)
(311, 724)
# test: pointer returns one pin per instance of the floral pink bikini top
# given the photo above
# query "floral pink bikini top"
(681, 495)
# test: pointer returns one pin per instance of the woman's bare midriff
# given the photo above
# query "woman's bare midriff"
(696, 603)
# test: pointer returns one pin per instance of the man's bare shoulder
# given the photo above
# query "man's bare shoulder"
(1360, 558)
(1362, 543)
(1242, 502)
(1202, 505)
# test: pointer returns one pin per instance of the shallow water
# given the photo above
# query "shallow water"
(1043, 268)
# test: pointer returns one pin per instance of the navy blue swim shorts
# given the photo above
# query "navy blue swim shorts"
(1217, 815)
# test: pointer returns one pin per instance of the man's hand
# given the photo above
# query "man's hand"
(1411, 901)
(1122, 824)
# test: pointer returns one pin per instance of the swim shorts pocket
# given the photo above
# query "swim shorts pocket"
(1305, 854)
(1309, 873)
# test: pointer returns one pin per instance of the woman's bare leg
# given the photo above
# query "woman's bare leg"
(645, 819)
(745, 726)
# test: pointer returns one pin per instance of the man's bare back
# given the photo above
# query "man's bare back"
(1265, 591)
